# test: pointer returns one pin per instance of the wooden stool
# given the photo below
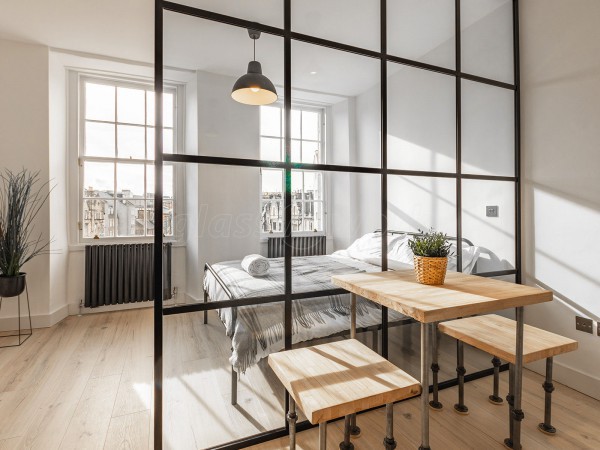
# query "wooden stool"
(339, 379)
(496, 335)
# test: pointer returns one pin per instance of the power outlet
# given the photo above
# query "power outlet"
(491, 211)
(583, 324)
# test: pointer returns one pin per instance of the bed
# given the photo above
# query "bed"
(258, 330)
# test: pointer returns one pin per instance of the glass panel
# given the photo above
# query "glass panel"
(311, 125)
(272, 184)
(421, 120)
(268, 12)
(98, 217)
(311, 152)
(296, 151)
(347, 21)
(488, 130)
(131, 142)
(313, 185)
(131, 105)
(271, 149)
(99, 102)
(168, 108)
(422, 31)
(487, 39)
(167, 141)
(99, 139)
(130, 181)
(168, 181)
(270, 121)
(130, 217)
(495, 236)
(225, 127)
(347, 87)
(296, 122)
(98, 179)
(272, 217)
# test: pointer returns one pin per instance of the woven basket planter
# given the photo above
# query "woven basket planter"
(430, 271)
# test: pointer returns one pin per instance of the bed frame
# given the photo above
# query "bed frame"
(374, 329)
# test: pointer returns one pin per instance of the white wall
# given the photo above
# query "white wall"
(560, 44)
(24, 131)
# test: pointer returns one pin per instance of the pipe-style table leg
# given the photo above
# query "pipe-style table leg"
(517, 414)
(425, 328)
(495, 399)
(346, 444)
(510, 399)
(389, 442)
(323, 436)
(460, 407)
(546, 425)
(234, 380)
(354, 430)
(205, 312)
(292, 417)
(435, 368)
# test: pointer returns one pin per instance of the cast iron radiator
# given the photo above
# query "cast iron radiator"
(123, 273)
(301, 246)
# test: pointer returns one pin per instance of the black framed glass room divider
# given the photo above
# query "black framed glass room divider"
(474, 103)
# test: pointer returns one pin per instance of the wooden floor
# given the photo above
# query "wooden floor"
(86, 384)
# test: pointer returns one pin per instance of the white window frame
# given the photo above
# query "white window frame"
(76, 125)
(323, 113)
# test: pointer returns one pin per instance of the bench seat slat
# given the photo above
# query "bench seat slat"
(496, 335)
(333, 380)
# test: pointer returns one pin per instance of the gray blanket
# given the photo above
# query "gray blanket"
(258, 330)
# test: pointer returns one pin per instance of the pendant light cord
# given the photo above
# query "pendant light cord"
(254, 49)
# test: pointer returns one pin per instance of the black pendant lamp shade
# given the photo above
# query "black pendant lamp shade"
(254, 88)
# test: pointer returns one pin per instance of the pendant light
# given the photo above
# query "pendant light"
(254, 88)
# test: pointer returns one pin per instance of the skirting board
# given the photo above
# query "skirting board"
(37, 320)
(580, 381)
(75, 309)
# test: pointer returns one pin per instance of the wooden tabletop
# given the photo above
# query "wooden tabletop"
(461, 295)
(340, 378)
(496, 335)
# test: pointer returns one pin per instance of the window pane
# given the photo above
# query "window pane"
(488, 130)
(296, 116)
(150, 108)
(272, 184)
(98, 217)
(99, 102)
(130, 217)
(167, 141)
(310, 125)
(130, 181)
(131, 105)
(131, 142)
(98, 179)
(270, 149)
(99, 139)
(168, 109)
(270, 121)
(272, 217)
(313, 185)
(422, 31)
(296, 151)
(297, 184)
(487, 38)
(311, 152)
(168, 181)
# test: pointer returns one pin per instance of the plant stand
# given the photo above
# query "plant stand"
(23, 335)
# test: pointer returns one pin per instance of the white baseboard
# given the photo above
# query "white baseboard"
(75, 309)
(575, 379)
(37, 320)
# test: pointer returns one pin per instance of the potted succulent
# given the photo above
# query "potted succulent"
(431, 250)
(22, 196)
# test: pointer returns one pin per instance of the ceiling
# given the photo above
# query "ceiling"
(124, 29)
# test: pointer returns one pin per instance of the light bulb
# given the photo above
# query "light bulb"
(255, 89)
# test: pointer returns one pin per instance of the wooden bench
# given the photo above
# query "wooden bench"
(340, 379)
(496, 335)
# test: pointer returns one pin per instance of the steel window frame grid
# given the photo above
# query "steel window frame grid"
(288, 297)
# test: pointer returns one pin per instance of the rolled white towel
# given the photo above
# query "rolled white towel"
(256, 265)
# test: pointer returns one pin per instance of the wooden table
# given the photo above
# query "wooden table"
(461, 295)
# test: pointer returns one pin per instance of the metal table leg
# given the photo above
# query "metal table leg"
(346, 444)
(425, 327)
(292, 417)
(510, 399)
(546, 425)
(354, 429)
(389, 442)
(518, 415)
(495, 398)
(435, 368)
(460, 407)
(323, 436)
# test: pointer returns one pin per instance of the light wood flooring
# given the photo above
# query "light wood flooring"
(86, 384)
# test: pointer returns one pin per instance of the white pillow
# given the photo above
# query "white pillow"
(369, 245)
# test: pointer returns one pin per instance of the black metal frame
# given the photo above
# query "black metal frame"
(19, 335)
(288, 35)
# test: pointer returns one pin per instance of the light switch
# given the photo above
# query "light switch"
(491, 211)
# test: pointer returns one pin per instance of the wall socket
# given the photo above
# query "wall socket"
(491, 211)
(583, 324)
